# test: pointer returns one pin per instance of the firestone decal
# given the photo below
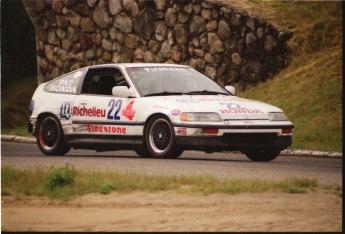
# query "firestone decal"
(66, 110)
(94, 128)
(234, 108)
(128, 112)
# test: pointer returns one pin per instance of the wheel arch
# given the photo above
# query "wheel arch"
(50, 143)
(153, 115)
(170, 150)
(45, 114)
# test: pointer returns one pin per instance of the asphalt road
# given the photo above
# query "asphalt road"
(222, 165)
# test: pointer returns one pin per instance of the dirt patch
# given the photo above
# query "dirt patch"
(172, 211)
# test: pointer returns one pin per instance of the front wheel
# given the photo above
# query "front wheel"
(160, 139)
(262, 155)
(142, 153)
(49, 136)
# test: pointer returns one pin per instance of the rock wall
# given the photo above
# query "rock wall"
(228, 46)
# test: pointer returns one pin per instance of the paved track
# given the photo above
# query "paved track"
(222, 165)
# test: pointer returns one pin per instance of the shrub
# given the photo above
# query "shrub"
(106, 188)
(60, 176)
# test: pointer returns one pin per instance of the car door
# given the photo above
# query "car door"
(96, 112)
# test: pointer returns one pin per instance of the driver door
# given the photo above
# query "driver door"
(96, 111)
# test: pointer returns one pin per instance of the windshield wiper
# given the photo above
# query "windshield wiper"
(206, 92)
(165, 93)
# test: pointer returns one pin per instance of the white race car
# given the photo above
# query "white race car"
(157, 110)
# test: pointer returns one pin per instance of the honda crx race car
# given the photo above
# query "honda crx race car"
(157, 110)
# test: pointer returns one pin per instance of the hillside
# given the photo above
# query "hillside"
(309, 90)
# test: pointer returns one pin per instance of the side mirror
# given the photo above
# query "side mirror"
(122, 91)
(231, 89)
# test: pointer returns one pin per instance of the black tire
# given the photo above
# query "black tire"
(262, 155)
(49, 136)
(142, 153)
(160, 138)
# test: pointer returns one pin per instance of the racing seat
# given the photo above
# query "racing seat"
(104, 86)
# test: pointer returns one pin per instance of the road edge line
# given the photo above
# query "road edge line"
(287, 152)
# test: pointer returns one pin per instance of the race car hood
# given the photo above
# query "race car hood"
(228, 107)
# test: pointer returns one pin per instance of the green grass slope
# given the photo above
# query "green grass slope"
(309, 90)
(311, 96)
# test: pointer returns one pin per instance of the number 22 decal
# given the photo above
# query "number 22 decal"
(115, 106)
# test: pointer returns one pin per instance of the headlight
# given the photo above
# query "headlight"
(200, 117)
(277, 116)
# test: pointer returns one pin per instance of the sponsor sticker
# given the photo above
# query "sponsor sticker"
(235, 108)
(160, 107)
(66, 110)
(175, 112)
(188, 100)
(157, 69)
(64, 85)
(77, 74)
(62, 88)
(128, 112)
(95, 128)
(89, 112)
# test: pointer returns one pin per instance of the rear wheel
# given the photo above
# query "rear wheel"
(160, 138)
(262, 155)
(49, 136)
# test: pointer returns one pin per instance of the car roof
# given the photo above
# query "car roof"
(127, 65)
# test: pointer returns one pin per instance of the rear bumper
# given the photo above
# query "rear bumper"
(32, 125)
(31, 128)
(233, 142)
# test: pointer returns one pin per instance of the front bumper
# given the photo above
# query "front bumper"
(233, 138)
(233, 142)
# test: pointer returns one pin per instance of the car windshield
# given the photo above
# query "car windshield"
(165, 80)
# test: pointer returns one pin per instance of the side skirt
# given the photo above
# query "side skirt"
(104, 143)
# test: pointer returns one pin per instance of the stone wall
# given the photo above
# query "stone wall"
(229, 46)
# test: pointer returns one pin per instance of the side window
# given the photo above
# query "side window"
(100, 81)
(65, 84)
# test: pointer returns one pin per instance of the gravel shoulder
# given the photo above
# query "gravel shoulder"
(316, 211)
(172, 211)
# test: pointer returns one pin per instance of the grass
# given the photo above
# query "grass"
(311, 97)
(17, 131)
(66, 183)
(15, 101)
(309, 90)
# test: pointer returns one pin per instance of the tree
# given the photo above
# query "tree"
(18, 43)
